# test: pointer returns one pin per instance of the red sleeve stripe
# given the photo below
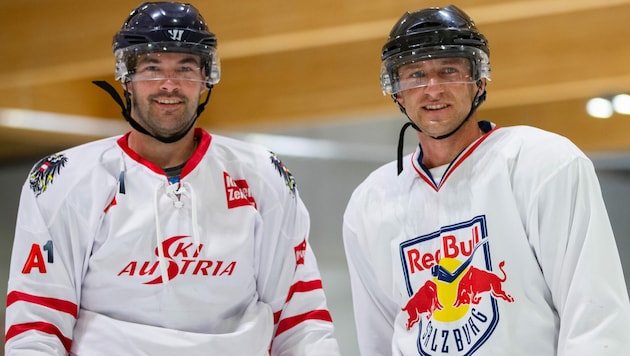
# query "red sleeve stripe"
(298, 287)
(301, 287)
(52, 303)
(47, 328)
(288, 323)
(276, 317)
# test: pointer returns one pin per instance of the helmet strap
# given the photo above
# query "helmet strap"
(126, 112)
(479, 98)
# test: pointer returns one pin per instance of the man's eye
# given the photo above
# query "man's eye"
(186, 69)
(449, 70)
(149, 69)
(417, 74)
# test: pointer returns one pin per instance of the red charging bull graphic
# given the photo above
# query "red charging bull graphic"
(453, 291)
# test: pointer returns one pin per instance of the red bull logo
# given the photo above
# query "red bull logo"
(454, 293)
(425, 300)
(477, 281)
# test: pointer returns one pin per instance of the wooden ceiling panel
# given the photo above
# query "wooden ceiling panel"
(290, 63)
(319, 82)
(560, 49)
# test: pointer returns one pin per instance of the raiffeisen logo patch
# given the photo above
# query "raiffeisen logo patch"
(182, 256)
(237, 192)
(300, 252)
(453, 291)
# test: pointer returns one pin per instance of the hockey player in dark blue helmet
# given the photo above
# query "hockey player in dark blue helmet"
(166, 240)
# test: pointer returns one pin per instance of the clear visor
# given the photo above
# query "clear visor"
(433, 66)
(144, 62)
(151, 66)
(434, 72)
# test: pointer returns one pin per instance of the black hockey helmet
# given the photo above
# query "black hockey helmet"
(433, 33)
(155, 27)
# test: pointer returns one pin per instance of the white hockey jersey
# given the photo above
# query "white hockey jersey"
(506, 251)
(110, 258)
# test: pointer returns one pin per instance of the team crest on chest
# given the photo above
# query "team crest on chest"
(44, 172)
(453, 289)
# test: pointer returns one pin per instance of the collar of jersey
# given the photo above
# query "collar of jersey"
(425, 174)
(201, 135)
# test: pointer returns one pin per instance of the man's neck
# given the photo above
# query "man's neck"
(163, 154)
(436, 153)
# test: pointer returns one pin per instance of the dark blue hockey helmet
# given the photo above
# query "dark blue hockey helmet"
(155, 27)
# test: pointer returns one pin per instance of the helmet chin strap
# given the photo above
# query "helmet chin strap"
(126, 112)
(479, 98)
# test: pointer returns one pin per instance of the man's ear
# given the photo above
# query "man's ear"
(399, 100)
(481, 86)
(128, 87)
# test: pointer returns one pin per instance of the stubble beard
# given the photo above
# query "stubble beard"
(163, 123)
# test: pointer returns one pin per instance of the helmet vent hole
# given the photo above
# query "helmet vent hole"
(424, 25)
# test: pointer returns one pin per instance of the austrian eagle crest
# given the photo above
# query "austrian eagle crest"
(284, 171)
(43, 173)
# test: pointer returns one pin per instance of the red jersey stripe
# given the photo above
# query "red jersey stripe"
(52, 303)
(302, 286)
(298, 287)
(288, 323)
(47, 328)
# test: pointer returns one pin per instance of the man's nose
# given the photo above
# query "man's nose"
(434, 85)
(170, 84)
(434, 80)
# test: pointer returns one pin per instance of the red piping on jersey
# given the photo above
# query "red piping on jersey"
(201, 135)
(47, 328)
(454, 165)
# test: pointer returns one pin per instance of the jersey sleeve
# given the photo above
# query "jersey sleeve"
(43, 287)
(573, 239)
(374, 311)
(289, 277)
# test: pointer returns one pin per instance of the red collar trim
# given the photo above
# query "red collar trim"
(200, 134)
(421, 171)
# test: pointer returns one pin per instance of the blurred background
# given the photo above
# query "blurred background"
(302, 78)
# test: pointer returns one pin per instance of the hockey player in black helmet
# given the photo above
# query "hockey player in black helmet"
(491, 240)
(429, 34)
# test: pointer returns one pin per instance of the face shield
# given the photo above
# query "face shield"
(407, 70)
(141, 62)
